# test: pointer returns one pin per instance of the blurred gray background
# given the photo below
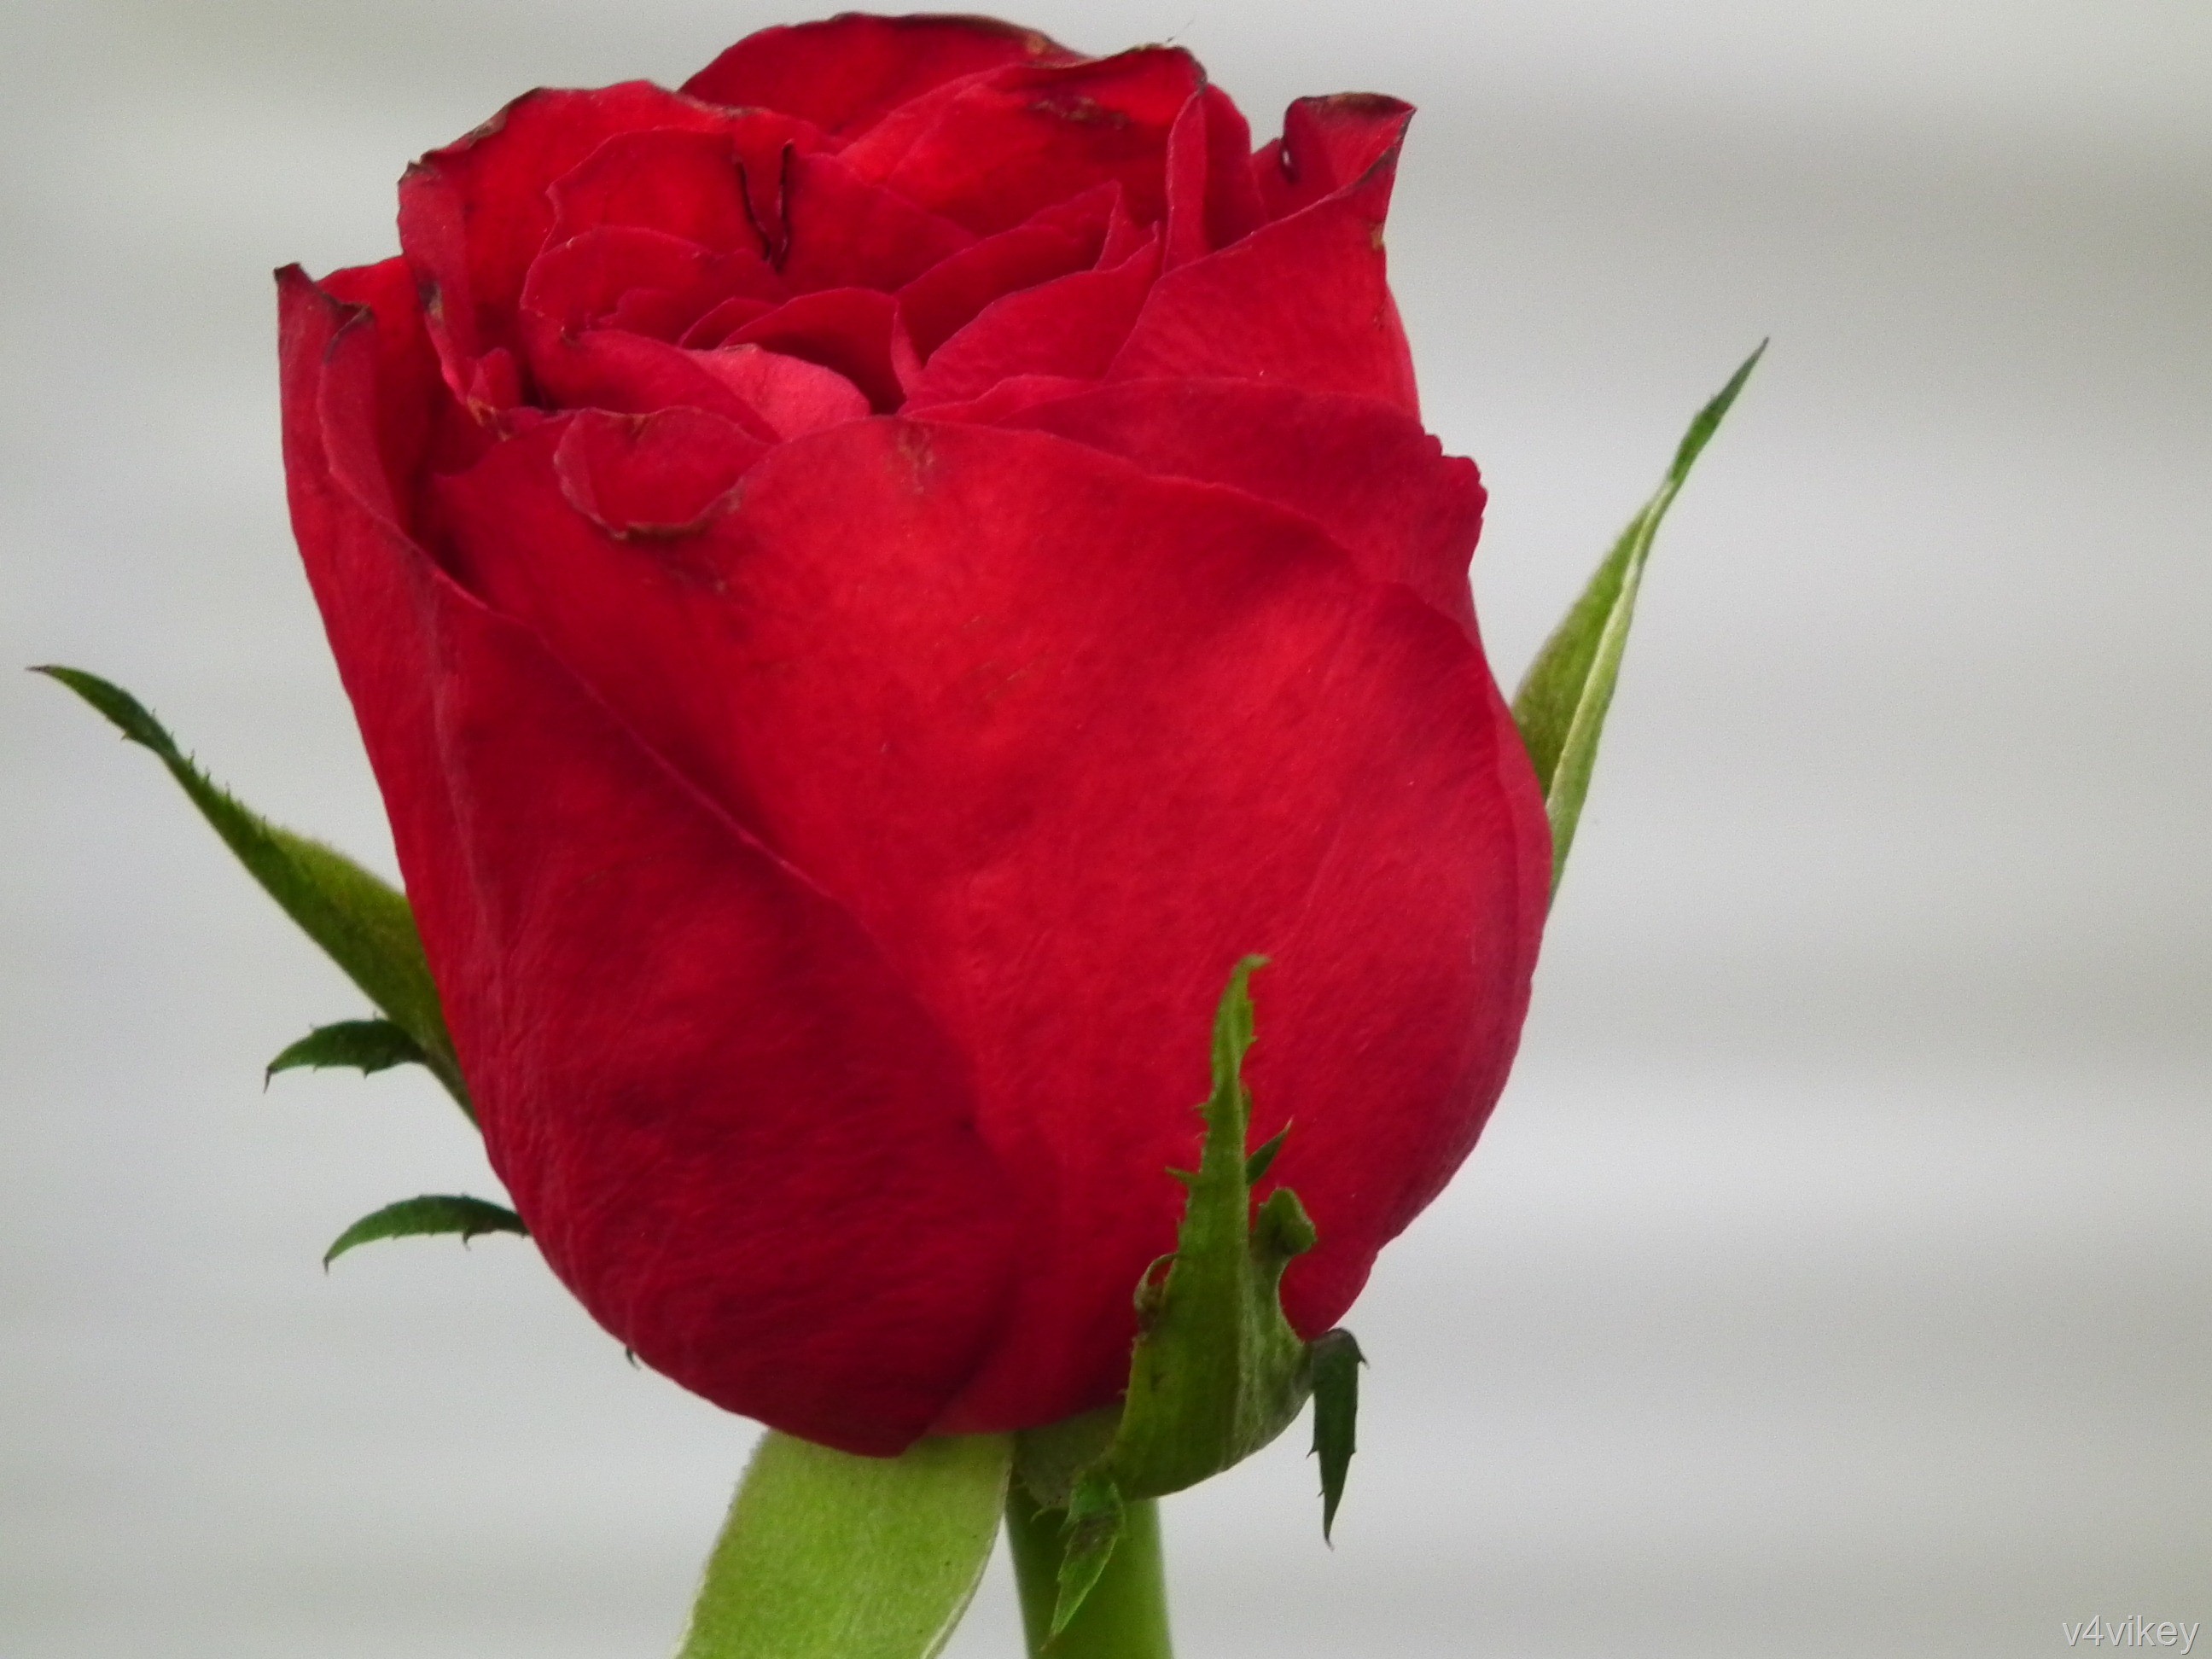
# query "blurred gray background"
(1837, 1276)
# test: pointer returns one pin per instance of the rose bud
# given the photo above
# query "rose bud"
(868, 583)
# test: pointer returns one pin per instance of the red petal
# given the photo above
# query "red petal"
(1007, 398)
(1124, 233)
(405, 422)
(653, 477)
(671, 313)
(621, 616)
(688, 184)
(1364, 472)
(575, 283)
(1304, 301)
(734, 1135)
(1126, 729)
(989, 151)
(726, 188)
(1328, 145)
(1211, 198)
(791, 394)
(845, 74)
(847, 233)
(630, 373)
(495, 395)
(1061, 240)
(1071, 326)
(722, 321)
(474, 215)
(645, 281)
(853, 330)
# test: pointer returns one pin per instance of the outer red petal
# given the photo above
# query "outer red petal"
(734, 1135)
(1069, 739)
(1304, 301)
(990, 151)
(845, 74)
(406, 428)
(1328, 145)
(1365, 472)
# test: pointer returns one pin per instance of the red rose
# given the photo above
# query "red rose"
(869, 583)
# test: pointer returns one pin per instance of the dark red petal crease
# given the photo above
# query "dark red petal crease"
(847, 233)
(1067, 238)
(1071, 326)
(1212, 197)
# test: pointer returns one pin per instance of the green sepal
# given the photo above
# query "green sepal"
(1050, 1460)
(1336, 1363)
(1562, 703)
(1261, 1161)
(438, 1213)
(830, 1556)
(1095, 1516)
(367, 1045)
(361, 922)
(1216, 1372)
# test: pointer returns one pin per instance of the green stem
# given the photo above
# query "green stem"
(1126, 1614)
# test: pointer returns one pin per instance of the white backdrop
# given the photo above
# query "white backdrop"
(1835, 1279)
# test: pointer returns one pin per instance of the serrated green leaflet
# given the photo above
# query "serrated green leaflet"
(1216, 1372)
(1562, 703)
(367, 1045)
(1336, 1363)
(362, 923)
(432, 1213)
(829, 1556)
